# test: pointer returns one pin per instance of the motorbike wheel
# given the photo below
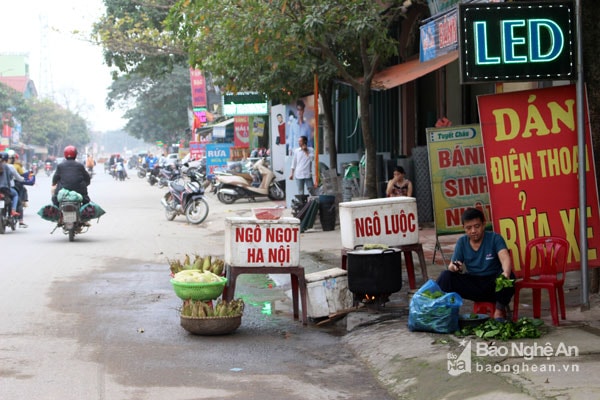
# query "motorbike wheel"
(170, 214)
(275, 192)
(141, 174)
(226, 198)
(152, 180)
(2, 225)
(72, 234)
(196, 211)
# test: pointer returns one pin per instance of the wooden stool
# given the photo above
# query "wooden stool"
(407, 251)
(297, 279)
(484, 307)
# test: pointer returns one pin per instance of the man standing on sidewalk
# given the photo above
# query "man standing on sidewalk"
(302, 166)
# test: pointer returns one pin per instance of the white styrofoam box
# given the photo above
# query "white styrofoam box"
(251, 242)
(327, 292)
(391, 221)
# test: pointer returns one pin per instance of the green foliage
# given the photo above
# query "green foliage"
(53, 126)
(44, 122)
(12, 100)
(133, 38)
(277, 46)
(160, 105)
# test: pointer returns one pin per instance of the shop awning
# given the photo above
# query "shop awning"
(216, 129)
(220, 128)
(409, 71)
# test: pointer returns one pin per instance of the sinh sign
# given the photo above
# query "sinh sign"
(527, 41)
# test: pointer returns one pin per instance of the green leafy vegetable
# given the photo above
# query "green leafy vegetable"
(524, 328)
(503, 282)
(434, 295)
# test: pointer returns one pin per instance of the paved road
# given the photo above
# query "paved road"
(97, 318)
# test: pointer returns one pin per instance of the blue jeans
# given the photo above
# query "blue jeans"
(15, 198)
(301, 182)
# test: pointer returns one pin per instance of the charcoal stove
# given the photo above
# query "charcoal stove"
(373, 275)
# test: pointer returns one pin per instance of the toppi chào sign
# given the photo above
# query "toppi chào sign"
(390, 221)
(517, 41)
(251, 242)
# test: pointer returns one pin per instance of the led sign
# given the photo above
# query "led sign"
(245, 103)
(517, 41)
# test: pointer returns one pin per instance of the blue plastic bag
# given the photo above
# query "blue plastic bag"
(432, 310)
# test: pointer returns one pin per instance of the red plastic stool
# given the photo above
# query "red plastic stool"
(484, 307)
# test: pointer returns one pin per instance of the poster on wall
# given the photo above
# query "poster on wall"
(532, 165)
(241, 127)
(278, 138)
(300, 122)
(458, 178)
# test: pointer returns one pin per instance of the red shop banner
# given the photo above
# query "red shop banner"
(241, 127)
(532, 167)
(198, 84)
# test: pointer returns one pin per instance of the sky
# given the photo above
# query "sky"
(69, 70)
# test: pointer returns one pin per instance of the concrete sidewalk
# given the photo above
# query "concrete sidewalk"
(415, 365)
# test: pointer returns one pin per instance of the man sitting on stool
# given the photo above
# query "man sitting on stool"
(479, 258)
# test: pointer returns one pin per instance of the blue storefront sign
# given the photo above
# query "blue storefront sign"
(217, 156)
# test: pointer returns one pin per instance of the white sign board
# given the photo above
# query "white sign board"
(251, 242)
(391, 221)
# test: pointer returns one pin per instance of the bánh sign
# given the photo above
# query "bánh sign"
(517, 41)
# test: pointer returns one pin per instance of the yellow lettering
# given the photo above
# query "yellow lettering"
(512, 118)
(566, 115)
(535, 122)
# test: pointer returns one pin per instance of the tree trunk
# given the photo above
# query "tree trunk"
(370, 190)
(329, 125)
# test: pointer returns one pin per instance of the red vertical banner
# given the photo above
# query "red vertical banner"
(198, 84)
(532, 166)
(6, 130)
(241, 127)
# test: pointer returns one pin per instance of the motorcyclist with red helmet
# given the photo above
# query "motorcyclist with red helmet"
(71, 175)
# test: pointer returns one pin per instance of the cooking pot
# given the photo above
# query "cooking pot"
(374, 272)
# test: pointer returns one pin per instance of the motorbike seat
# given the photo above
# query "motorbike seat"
(177, 187)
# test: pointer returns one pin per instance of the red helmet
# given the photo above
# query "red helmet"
(70, 152)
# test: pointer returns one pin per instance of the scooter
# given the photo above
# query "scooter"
(186, 199)
(234, 187)
(6, 220)
(48, 168)
(70, 219)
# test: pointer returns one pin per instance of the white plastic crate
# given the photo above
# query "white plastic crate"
(327, 292)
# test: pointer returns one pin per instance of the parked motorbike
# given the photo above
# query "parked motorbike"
(187, 199)
(230, 188)
(153, 175)
(142, 171)
(170, 172)
(6, 220)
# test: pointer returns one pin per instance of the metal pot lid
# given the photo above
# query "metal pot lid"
(373, 251)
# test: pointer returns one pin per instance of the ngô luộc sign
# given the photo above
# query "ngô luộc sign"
(517, 41)
(251, 242)
(390, 221)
